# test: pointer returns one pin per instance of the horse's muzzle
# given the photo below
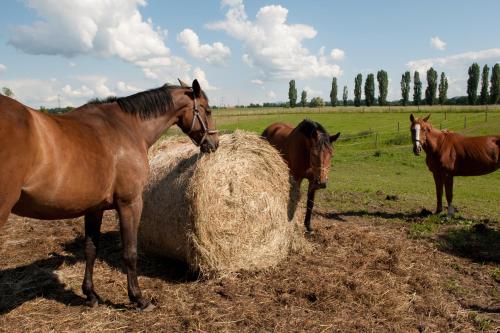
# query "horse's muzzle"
(416, 150)
(319, 185)
(209, 147)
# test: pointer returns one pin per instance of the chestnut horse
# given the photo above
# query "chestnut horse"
(92, 159)
(307, 149)
(450, 154)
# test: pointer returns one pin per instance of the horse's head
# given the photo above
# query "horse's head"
(419, 128)
(196, 119)
(320, 150)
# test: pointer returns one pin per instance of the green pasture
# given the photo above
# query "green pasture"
(373, 159)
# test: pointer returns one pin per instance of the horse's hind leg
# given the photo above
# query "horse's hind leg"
(448, 185)
(92, 232)
(130, 214)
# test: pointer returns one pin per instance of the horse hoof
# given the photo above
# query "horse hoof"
(92, 302)
(310, 232)
(148, 307)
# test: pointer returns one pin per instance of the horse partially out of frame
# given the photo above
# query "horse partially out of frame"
(93, 159)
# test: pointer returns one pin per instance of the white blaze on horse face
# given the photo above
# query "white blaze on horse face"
(417, 135)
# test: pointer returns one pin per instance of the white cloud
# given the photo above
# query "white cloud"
(271, 94)
(48, 93)
(272, 45)
(113, 28)
(33, 92)
(107, 28)
(216, 53)
(126, 88)
(199, 74)
(98, 84)
(3, 68)
(337, 54)
(453, 60)
(257, 82)
(311, 92)
(71, 64)
(437, 43)
(83, 91)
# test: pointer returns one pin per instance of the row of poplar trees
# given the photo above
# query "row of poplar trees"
(485, 96)
(383, 84)
(430, 91)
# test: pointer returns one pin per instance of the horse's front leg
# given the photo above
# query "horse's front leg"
(130, 214)
(92, 233)
(438, 180)
(448, 185)
(311, 191)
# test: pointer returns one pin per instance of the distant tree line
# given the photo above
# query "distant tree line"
(436, 91)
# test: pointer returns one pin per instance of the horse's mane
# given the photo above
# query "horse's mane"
(309, 127)
(147, 104)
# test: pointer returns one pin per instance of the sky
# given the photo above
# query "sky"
(65, 52)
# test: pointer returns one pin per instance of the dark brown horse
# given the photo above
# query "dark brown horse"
(92, 159)
(308, 150)
(450, 154)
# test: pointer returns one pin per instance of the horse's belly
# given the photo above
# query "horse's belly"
(47, 205)
(478, 168)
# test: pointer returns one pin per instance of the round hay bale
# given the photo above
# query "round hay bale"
(220, 212)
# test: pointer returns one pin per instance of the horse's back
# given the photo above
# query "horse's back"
(470, 156)
(277, 134)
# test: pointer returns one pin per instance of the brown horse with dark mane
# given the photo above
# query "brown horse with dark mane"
(450, 154)
(92, 159)
(307, 149)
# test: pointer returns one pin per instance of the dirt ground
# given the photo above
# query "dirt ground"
(365, 274)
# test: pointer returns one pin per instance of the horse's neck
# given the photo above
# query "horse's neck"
(434, 140)
(152, 129)
(297, 155)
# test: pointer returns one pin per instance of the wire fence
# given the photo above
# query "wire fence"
(379, 138)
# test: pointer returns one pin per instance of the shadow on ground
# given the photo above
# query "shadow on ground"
(386, 215)
(479, 243)
(39, 279)
(110, 251)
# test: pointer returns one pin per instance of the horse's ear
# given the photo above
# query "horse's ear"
(427, 118)
(196, 88)
(334, 138)
(412, 119)
(183, 84)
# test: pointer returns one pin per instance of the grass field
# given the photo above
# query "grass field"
(374, 159)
